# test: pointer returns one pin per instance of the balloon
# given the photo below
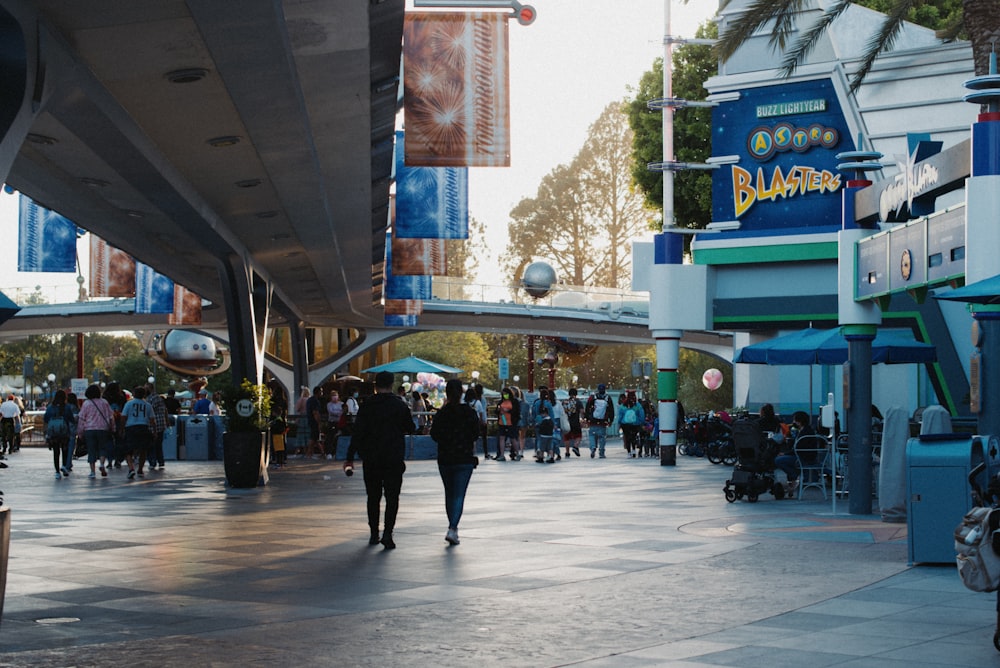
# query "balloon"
(416, 387)
(422, 378)
(712, 379)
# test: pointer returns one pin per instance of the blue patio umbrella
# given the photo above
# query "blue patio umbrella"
(828, 347)
(8, 308)
(986, 291)
(412, 364)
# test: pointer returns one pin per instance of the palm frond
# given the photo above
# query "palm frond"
(807, 42)
(883, 40)
(756, 16)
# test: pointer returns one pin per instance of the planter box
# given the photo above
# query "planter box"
(245, 457)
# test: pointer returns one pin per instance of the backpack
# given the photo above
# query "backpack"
(600, 408)
(542, 418)
(977, 560)
(630, 416)
(57, 428)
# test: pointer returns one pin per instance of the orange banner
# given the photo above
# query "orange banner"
(418, 257)
(112, 271)
(187, 307)
(456, 89)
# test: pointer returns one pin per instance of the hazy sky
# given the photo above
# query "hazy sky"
(576, 57)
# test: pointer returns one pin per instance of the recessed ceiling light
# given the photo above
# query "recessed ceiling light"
(279, 237)
(135, 214)
(248, 183)
(44, 140)
(94, 183)
(223, 142)
(267, 214)
(187, 75)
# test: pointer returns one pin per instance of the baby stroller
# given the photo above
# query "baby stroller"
(753, 474)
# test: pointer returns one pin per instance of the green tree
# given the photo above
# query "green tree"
(584, 213)
(692, 393)
(465, 350)
(979, 20)
(693, 64)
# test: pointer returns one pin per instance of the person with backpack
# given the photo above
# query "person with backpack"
(599, 413)
(455, 429)
(544, 419)
(632, 419)
(57, 419)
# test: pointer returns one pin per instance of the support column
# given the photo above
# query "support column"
(248, 302)
(859, 417)
(300, 358)
(668, 348)
(988, 415)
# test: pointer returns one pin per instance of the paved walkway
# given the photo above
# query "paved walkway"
(612, 562)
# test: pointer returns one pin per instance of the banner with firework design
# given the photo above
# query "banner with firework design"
(112, 270)
(154, 292)
(431, 202)
(457, 89)
(46, 240)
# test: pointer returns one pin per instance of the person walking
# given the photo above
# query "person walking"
(572, 409)
(57, 420)
(379, 437)
(508, 417)
(139, 426)
(334, 413)
(544, 418)
(161, 421)
(632, 419)
(600, 412)
(96, 422)
(455, 429)
(315, 407)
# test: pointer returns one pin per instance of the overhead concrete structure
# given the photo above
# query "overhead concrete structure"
(243, 149)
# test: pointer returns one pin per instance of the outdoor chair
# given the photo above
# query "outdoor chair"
(811, 451)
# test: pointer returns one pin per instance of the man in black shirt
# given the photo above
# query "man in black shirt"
(379, 436)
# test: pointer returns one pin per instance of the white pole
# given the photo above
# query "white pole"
(668, 120)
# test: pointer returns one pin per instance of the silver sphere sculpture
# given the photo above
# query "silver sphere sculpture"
(538, 279)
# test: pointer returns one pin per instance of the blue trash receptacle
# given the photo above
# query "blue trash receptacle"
(196, 437)
(938, 492)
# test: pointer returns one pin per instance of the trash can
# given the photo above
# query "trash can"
(938, 492)
(170, 442)
(196, 441)
(216, 428)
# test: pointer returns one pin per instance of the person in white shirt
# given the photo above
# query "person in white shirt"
(10, 424)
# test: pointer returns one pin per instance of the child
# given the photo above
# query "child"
(278, 430)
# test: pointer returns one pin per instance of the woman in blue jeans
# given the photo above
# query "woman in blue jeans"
(455, 429)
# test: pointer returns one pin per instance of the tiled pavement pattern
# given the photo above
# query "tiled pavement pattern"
(614, 562)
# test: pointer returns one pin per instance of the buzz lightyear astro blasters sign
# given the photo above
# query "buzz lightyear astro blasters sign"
(786, 138)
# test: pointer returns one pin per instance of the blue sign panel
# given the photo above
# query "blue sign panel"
(787, 137)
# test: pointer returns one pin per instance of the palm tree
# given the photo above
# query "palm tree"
(979, 20)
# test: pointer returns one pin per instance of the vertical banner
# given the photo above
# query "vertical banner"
(403, 294)
(431, 202)
(413, 257)
(187, 307)
(457, 89)
(154, 292)
(112, 270)
(46, 240)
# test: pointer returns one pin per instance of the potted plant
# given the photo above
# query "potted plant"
(244, 444)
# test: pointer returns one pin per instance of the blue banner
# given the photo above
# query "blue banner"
(46, 240)
(431, 202)
(403, 287)
(154, 292)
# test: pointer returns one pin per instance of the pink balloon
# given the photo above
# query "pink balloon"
(422, 377)
(712, 379)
